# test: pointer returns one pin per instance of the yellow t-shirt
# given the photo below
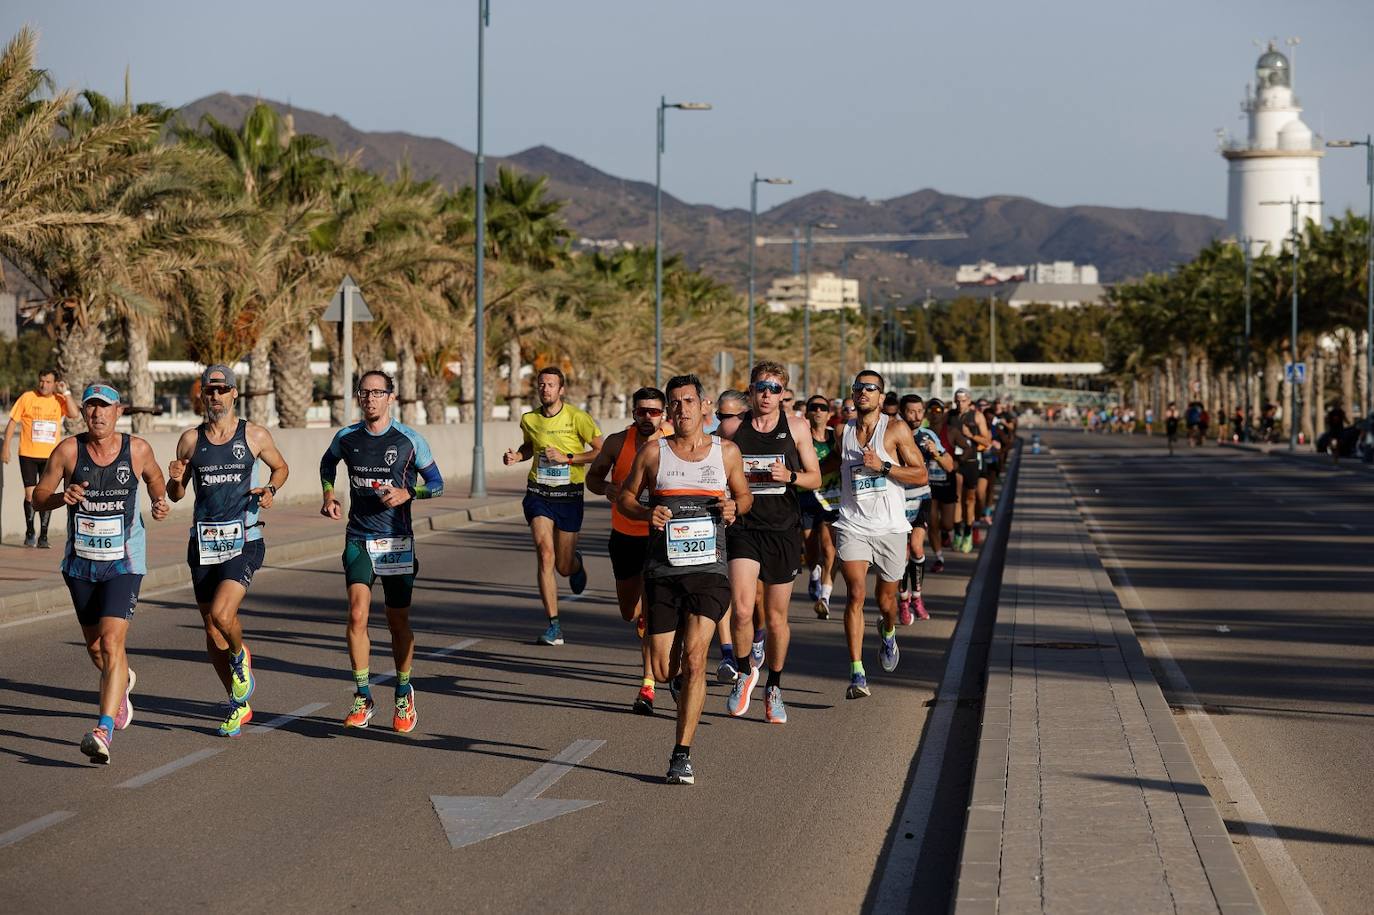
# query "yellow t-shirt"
(569, 430)
(40, 423)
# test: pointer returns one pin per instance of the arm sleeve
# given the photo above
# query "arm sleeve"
(329, 463)
(431, 483)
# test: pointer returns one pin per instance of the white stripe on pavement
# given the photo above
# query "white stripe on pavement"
(20, 833)
(138, 781)
(287, 718)
(428, 655)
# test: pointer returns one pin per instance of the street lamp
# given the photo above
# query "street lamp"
(806, 308)
(753, 243)
(1296, 204)
(478, 487)
(1368, 144)
(1249, 265)
(658, 231)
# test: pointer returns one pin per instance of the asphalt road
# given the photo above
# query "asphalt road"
(1258, 575)
(307, 816)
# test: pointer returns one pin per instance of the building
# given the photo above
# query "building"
(828, 292)
(1062, 273)
(1060, 295)
(986, 273)
(1279, 160)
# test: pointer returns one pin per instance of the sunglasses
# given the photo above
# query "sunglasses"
(772, 387)
(724, 416)
(648, 411)
(216, 389)
(818, 408)
(861, 387)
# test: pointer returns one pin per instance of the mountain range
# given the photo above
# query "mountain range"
(1123, 243)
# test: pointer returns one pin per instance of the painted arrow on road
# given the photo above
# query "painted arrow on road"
(469, 820)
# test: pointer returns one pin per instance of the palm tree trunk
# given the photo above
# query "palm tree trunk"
(467, 382)
(140, 377)
(515, 384)
(1169, 381)
(79, 353)
(1348, 357)
(434, 391)
(291, 378)
(1309, 388)
(253, 394)
(339, 386)
(407, 385)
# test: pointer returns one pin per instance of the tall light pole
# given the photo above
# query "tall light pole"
(753, 243)
(663, 106)
(1249, 265)
(806, 309)
(478, 487)
(1296, 204)
(992, 342)
(1368, 144)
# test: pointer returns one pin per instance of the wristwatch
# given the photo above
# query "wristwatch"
(570, 456)
(887, 468)
(793, 477)
(272, 489)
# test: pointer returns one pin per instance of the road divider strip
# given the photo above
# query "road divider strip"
(20, 833)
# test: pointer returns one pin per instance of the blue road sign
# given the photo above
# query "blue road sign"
(1295, 372)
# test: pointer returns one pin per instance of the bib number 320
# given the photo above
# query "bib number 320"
(691, 541)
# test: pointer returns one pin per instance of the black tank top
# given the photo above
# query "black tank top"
(222, 476)
(775, 504)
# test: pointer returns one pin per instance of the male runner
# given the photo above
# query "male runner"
(629, 539)
(944, 495)
(37, 415)
(563, 440)
(226, 548)
(920, 505)
(697, 487)
(819, 508)
(766, 546)
(104, 560)
(969, 431)
(1171, 425)
(878, 458)
(389, 464)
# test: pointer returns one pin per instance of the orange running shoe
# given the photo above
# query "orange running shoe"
(404, 720)
(361, 713)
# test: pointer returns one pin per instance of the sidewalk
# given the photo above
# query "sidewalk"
(1085, 798)
(30, 583)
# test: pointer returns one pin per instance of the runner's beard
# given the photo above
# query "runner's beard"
(216, 412)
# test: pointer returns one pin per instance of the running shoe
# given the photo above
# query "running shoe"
(727, 671)
(822, 608)
(858, 687)
(920, 605)
(43, 543)
(680, 771)
(552, 635)
(887, 651)
(737, 703)
(405, 719)
(813, 587)
(904, 611)
(125, 716)
(756, 654)
(938, 565)
(578, 580)
(978, 536)
(29, 541)
(644, 702)
(96, 745)
(241, 682)
(361, 713)
(966, 543)
(774, 711)
(239, 715)
(675, 687)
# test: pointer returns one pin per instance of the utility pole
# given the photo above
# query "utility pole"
(478, 485)
(1296, 204)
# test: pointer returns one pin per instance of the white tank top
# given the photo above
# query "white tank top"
(694, 540)
(870, 503)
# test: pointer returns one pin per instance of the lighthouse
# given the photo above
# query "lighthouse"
(1278, 160)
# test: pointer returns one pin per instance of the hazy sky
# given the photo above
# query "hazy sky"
(1069, 101)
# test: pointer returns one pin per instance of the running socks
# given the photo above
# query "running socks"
(403, 686)
(888, 633)
(759, 634)
(917, 567)
(774, 679)
(727, 651)
(825, 592)
(44, 518)
(856, 667)
(646, 683)
(107, 723)
(360, 677)
(681, 750)
(28, 517)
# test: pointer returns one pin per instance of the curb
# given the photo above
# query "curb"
(47, 601)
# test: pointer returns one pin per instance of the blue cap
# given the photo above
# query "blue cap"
(101, 392)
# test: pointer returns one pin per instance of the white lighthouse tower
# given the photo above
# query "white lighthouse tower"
(1277, 161)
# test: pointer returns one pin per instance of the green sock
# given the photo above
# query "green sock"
(856, 667)
(360, 677)
(887, 633)
(403, 686)
(647, 681)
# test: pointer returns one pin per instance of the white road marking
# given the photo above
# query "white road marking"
(428, 655)
(1297, 896)
(138, 781)
(287, 718)
(20, 833)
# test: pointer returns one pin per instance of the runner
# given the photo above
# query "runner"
(1171, 425)
(943, 491)
(818, 509)
(733, 403)
(37, 415)
(969, 432)
(226, 548)
(919, 506)
(696, 488)
(104, 561)
(629, 539)
(563, 440)
(878, 458)
(389, 465)
(765, 546)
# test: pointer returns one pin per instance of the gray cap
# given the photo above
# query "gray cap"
(962, 392)
(226, 375)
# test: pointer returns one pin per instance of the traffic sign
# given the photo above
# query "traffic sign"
(354, 293)
(1295, 372)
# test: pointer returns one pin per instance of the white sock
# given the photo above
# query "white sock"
(825, 592)
(939, 555)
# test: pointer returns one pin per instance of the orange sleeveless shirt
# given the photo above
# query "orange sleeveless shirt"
(619, 473)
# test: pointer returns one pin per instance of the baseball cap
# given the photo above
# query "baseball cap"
(962, 392)
(226, 375)
(100, 392)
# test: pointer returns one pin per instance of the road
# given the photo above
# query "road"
(1258, 576)
(306, 816)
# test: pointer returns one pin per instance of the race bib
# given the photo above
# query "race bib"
(864, 482)
(99, 539)
(549, 474)
(219, 541)
(758, 471)
(44, 432)
(691, 541)
(936, 472)
(829, 498)
(913, 504)
(392, 555)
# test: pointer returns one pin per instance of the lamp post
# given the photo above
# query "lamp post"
(663, 106)
(478, 488)
(992, 343)
(1296, 204)
(1368, 144)
(806, 309)
(1249, 264)
(753, 243)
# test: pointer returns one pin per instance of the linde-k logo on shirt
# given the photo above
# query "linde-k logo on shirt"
(239, 450)
(123, 474)
(391, 455)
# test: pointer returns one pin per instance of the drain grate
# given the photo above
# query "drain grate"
(1063, 646)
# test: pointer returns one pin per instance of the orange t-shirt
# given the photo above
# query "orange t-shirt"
(40, 423)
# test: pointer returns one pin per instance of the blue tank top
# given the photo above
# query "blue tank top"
(222, 476)
(105, 537)
(390, 458)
